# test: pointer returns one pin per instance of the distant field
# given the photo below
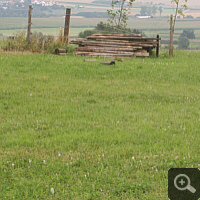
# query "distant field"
(193, 3)
(51, 26)
(150, 24)
(167, 6)
(46, 31)
(16, 23)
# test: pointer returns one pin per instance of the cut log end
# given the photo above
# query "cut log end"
(60, 51)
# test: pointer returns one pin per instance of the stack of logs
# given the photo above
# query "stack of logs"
(60, 51)
(117, 45)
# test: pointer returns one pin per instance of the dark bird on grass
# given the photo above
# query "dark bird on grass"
(108, 63)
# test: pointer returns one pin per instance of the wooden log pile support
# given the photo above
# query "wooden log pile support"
(116, 45)
(60, 51)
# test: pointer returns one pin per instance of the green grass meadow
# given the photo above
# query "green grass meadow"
(92, 131)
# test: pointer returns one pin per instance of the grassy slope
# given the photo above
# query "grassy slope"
(97, 117)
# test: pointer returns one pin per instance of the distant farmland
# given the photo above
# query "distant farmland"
(51, 26)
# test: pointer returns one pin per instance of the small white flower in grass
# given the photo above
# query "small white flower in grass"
(52, 190)
(13, 164)
(30, 160)
(59, 154)
(198, 165)
(47, 186)
(30, 95)
(44, 161)
(133, 158)
(71, 158)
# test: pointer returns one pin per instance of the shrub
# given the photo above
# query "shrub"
(38, 42)
(189, 16)
(183, 42)
(17, 43)
(86, 33)
(106, 29)
(190, 34)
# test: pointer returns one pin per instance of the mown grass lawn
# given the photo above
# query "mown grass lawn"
(92, 131)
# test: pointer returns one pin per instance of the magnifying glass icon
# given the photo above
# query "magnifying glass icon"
(186, 185)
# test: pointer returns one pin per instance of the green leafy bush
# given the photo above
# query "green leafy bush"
(183, 41)
(107, 29)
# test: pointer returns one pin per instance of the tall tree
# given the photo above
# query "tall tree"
(183, 41)
(148, 11)
(143, 11)
(190, 34)
(120, 9)
(154, 10)
(179, 11)
(160, 10)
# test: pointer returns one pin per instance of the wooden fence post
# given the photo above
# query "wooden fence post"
(157, 47)
(29, 24)
(171, 36)
(67, 22)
